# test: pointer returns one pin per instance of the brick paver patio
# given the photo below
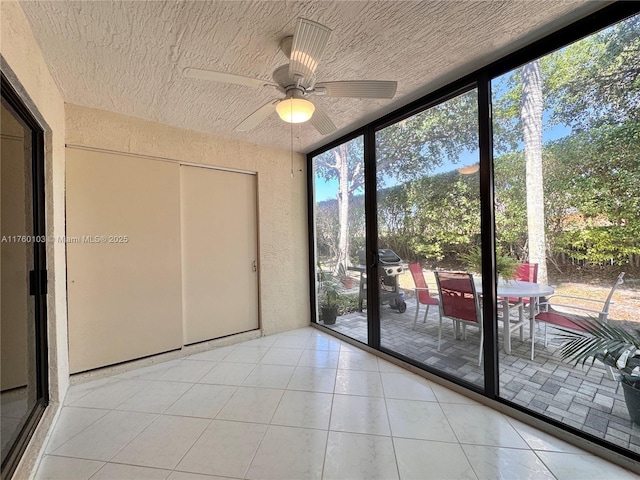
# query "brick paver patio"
(586, 398)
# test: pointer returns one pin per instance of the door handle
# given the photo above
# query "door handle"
(255, 266)
(374, 259)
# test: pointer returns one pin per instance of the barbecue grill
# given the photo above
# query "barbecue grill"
(389, 268)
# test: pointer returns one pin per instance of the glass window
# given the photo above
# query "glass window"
(428, 224)
(340, 239)
(567, 169)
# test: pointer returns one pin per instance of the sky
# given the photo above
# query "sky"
(326, 190)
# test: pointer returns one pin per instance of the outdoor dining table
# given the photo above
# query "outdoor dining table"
(519, 289)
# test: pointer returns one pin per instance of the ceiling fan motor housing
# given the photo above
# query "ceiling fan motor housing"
(289, 84)
(285, 45)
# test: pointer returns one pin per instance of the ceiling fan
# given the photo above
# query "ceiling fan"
(297, 81)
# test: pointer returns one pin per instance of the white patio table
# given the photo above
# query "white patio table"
(519, 289)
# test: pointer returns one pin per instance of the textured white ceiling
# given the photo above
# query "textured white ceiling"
(128, 56)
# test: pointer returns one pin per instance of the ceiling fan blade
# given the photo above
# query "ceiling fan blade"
(258, 116)
(309, 42)
(358, 88)
(224, 77)
(321, 121)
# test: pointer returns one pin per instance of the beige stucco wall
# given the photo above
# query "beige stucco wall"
(24, 66)
(282, 199)
(282, 215)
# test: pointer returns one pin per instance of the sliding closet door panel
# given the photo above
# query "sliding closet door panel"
(123, 258)
(219, 253)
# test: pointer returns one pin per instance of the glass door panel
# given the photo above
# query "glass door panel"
(429, 221)
(19, 392)
(340, 239)
(566, 168)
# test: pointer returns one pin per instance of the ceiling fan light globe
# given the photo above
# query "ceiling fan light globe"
(295, 110)
(469, 169)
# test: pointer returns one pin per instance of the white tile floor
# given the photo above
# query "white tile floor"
(300, 405)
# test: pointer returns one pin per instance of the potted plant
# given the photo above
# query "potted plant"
(615, 347)
(330, 290)
(505, 265)
(345, 278)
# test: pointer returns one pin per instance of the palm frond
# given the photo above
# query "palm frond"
(596, 340)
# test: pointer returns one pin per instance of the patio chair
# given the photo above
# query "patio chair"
(564, 315)
(459, 302)
(423, 297)
(526, 272)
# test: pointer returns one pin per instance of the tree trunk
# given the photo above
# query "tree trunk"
(531, 116)
(343, 206)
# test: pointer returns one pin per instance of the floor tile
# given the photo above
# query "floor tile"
(163, 443)
(154, 397)
(150, 369)
(76, 392)
(116, 471)
(313, 379)
(318, 342)
(352, 456)
(228, 373)
(189, 371)
(282, 356)
(106, 437)
(359, 382)
(319, 358)
(347, 347)
(407, 386)
(225, 449)
(202, 401)
(444, 395)
(289, 453)
(242, 354)
(299, 332)
(269, 376)
(539, 440)
(419, 420)
(266, 341)
(109, 395)
(570, 466)
(421, 459)
(291, 341)
(480, 425)
(505, 463)
(214, 355)
(62, 468)
(359, 415)
(304, 409)
(358, 360)
(197, 413)
(389, 367)
(71, 421)
(250, 404)
(195, 476)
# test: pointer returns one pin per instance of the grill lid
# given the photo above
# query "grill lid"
(386, 256)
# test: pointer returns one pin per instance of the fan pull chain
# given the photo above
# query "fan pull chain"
(291, 149)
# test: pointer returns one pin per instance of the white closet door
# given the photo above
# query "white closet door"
(219, 253)
(123, 258)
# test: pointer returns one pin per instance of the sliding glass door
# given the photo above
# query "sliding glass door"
(428, 217)
(23, 389)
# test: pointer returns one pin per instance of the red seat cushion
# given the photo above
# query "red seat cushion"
(560, 320)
